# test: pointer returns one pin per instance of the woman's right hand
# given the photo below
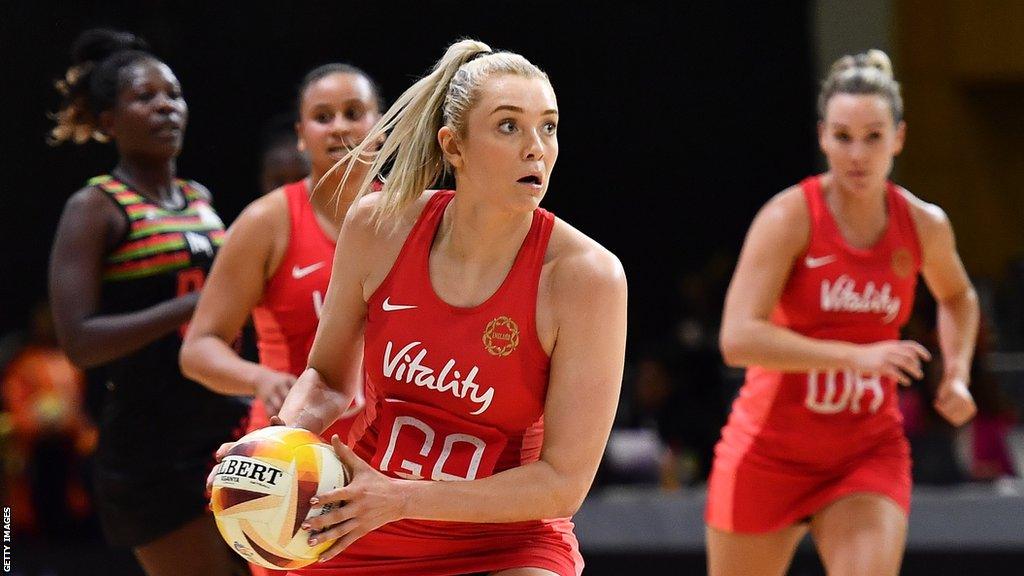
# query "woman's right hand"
(896, 359)
(223, 451)
(272, 388)
(217, 456)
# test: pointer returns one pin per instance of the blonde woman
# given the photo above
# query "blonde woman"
(824, 283)
(494, 339)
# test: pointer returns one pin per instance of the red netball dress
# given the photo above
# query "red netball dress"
(287, 316)
(454, 394)
(796, 442)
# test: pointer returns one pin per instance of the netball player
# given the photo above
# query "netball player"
(494, 339)
(824, 282)
(276, 261)
(131, 252)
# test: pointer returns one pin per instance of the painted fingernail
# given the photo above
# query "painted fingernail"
(305, 527)
(313, 501)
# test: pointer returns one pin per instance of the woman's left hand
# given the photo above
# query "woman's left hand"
(954, 401)
(369, 501)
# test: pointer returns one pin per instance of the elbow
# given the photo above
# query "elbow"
(81, 358)
(569, 498)
(80, 355)
(569, 505)
(188, 360)
(731, 347)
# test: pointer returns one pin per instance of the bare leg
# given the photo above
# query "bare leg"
(861, 535)
(731, 554)
(195, 549)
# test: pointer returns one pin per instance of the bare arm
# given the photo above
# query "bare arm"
(778, 235)
(76, 276)
(233, 288)
(326, 388)
(958, 312)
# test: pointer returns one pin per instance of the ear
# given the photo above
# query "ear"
(105, 123)
(901, 138)
(299, 144)
(821, 135)
(449, 143)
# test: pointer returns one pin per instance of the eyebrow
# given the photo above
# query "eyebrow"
(328, 103)
(841, 125)
(521, 111)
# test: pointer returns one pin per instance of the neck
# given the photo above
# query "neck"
(327, 199)
(855, 202)
(155, 178)
(475, 232)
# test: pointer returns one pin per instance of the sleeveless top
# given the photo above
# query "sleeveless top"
(289, 311)
(453, 393)
(835, 292)
(151, 408)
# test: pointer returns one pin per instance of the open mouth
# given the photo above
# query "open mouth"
(531, 179)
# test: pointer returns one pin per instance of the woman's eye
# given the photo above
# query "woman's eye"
(324, 118)
(507, 126)
(550, 127)
(355, 114)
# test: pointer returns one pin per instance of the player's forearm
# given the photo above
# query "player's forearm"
(213, 363)
(530, 492)
(958, 332)
(100, 339)
(312, 404)
(761, 343)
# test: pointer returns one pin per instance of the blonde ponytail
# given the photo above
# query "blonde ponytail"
(410, 152)
(409, 130)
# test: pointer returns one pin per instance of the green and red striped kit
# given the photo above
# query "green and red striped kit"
(157, 240)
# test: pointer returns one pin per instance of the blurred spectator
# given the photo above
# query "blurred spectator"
(50, 436)
(280, 159)
(675, 397)
(991, 457)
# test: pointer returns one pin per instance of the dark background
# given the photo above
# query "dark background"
(677, 121)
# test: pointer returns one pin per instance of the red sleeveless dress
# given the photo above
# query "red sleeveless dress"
(454, 394)
(795, 442)
(289, 312)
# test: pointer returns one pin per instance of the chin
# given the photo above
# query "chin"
(532, 200)
(860, 184)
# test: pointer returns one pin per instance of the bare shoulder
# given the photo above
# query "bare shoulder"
(92, 205)
(787, 211)
(782, 225)
(268, 211)
(361, 220)
(87, 197)
(577, 262)
(376, 246)
(928, 218)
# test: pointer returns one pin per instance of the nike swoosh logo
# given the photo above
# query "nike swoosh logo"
(389, 307)
(819, 261)
(298, 273)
